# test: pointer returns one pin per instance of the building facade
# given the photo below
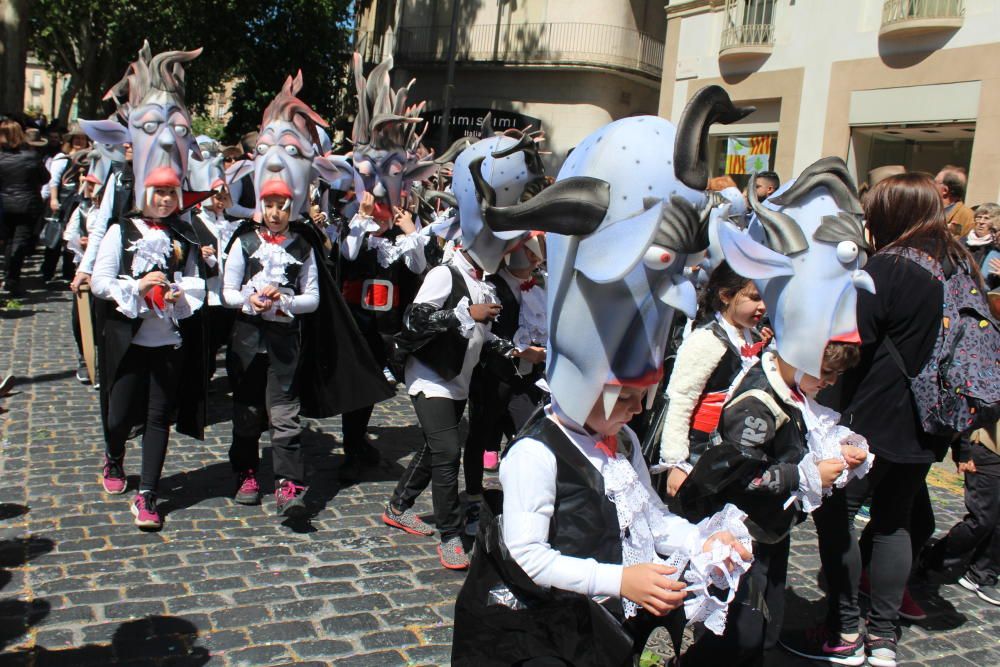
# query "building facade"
(43, 90)
(877, 82)
(569, 66)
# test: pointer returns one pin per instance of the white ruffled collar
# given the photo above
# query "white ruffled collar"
(151, 251)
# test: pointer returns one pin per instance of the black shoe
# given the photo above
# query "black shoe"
(350, 469)
(370, 456)
(82, 375)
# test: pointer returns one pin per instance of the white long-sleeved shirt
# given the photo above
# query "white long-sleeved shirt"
(408, 247)
(78, 227)
(100, 225)
(528, 477)
(222, 229)
(436, 289)
(57, 167)
(236, 293)
(108, 282)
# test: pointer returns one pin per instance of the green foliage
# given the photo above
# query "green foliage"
(203, 124)
(257, 41)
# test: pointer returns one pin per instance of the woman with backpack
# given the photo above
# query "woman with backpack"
(899, 327)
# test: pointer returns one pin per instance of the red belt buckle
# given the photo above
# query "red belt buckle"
(378, 295)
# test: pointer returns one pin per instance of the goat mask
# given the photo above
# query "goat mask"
(805, 251)
(620, 221)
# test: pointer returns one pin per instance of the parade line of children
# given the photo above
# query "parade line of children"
(546, 307)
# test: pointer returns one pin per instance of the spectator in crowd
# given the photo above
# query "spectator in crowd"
(765, 184)
(951, 183)
(983, 240)
(21, 178)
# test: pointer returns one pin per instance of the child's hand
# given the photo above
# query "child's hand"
(260, 303)
(367, 205)
(152, 278)
(533, 354)
(674, 481)
(829, 471)
(725, 537)
(207, 251)
(270, 292)
(854, 456)
(484, 312)
(967, 467)
(173, 295)
(83, 242)
(647, 585)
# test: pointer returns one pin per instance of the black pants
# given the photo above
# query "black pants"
(354, 425)
(435, 463)
(751, 627)
(50, 261)
(976, 538)
(220, 329)
(496, 408)
(887, 550)
(147, 382)
(75, 323)
(259, 399)
(21, 230)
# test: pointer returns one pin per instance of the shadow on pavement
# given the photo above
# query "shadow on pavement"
(159, 640)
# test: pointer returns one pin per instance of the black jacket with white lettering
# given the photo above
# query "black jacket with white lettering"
(756, 465)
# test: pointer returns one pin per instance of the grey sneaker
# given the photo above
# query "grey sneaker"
(406, 520)
(452, 554)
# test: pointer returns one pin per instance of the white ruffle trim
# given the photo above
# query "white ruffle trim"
(389, 252)
(226, 231)
(150, 252)
(125, 292)
(824, 438)
(466, 323)
(274, 259)
(532, 323)
(710, 569)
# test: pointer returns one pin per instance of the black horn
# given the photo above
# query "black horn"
(783, 234)
(830, 173)
(709, 105)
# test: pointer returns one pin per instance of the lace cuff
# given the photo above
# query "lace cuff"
(246, 293)
(125, 292)
(810, 492)
(709, 569)
(192, 299)
(466, 324)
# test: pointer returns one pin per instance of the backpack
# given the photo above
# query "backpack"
(958, 388)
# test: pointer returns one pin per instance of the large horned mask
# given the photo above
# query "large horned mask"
(386, 138)
(805, 251)
(158, 123)
(621, 219)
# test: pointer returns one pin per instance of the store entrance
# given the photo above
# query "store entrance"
(924, 148)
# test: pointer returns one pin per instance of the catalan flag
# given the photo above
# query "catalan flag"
(745, 155)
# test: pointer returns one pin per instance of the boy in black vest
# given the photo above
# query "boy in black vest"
(445, 329)
(271, 275)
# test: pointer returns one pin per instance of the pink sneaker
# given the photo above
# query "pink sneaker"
(290, 497)
(248, 491)
(144, 510)
(113, 477)
(491, 460)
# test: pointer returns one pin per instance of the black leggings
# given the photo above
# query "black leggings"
(21, 230)
(887, 551)
(435, 463)
(146, 385)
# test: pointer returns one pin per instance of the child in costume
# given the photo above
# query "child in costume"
(446, 328)
(710, 363)
(583, 560)
(76, 238)
(779, 451)
(148, 264)
(504, 392)
(294, 349)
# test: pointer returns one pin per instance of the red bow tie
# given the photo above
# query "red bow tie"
(752, 350)
(609, 445)
(158, 226)
(526, 285)
(273, 238)
(477, 273)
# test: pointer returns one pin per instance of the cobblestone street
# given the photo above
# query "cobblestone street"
(224, 584)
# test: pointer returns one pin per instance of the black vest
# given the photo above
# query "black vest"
(445, 353)
(299, 248)
(353, 275)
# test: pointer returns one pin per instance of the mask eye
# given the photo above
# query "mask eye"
(292, 150)
(181, 130)
(150, 126)
(395, 169)
(847, 251)
(262, 148)
(657, 258)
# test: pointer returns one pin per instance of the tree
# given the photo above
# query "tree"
(13, 52)
(256, 41)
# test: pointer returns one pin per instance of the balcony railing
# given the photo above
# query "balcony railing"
(921, 15)
(583, 44)
(754, 35)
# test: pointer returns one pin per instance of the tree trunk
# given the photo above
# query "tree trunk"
(66, 103)
(13, 53)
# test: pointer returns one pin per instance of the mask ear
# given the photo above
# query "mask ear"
(332, 169)
(420, 171)
(238, 170)
(749, 258)
(105, 131)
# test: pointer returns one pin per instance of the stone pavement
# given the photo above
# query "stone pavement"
(224, 584)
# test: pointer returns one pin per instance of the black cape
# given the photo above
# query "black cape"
(336, 372)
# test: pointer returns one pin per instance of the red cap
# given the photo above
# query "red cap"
(218, 184)
(275, 187)
(90, 178)
(162, 177)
